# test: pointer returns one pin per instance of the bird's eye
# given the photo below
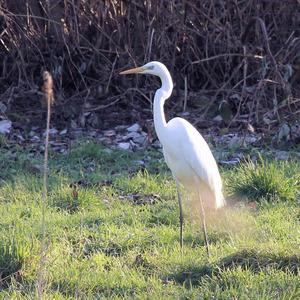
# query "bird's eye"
(150, 67)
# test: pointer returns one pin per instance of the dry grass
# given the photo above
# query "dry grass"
(243, 52)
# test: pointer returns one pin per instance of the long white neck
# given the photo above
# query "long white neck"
(160, 97)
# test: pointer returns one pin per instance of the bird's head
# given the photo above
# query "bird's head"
(154, 68)
(158, 69)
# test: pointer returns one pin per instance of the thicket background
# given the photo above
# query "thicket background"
(237, 58)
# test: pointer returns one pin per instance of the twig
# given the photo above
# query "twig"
(110, 75)
(185, 93)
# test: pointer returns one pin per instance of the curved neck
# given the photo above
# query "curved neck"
(160, 97)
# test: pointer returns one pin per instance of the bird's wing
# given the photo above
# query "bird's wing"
(198, 155)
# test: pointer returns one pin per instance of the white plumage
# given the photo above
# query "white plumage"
(186, 152)
(192, 163)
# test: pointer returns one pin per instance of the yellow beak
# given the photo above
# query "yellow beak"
(133, 71)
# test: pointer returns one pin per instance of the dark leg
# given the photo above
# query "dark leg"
(180, 214)
(204, 225)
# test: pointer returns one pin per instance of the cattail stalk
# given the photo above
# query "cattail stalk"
(48, 99)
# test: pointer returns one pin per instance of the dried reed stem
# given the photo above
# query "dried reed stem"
(48, 99)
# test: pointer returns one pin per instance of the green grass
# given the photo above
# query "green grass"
(112, 230)
(268, 180)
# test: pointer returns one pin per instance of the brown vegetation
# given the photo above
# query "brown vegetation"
(241, 53)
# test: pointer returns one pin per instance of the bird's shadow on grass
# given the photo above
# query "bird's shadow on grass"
(245, 259)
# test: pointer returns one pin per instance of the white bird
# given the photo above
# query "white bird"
(185, 150)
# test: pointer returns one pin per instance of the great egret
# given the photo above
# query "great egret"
(185, 150)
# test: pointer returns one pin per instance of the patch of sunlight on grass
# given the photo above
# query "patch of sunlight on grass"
(114, 235)
(269, 180)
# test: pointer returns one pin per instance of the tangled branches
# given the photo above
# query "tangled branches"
(242, 53)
